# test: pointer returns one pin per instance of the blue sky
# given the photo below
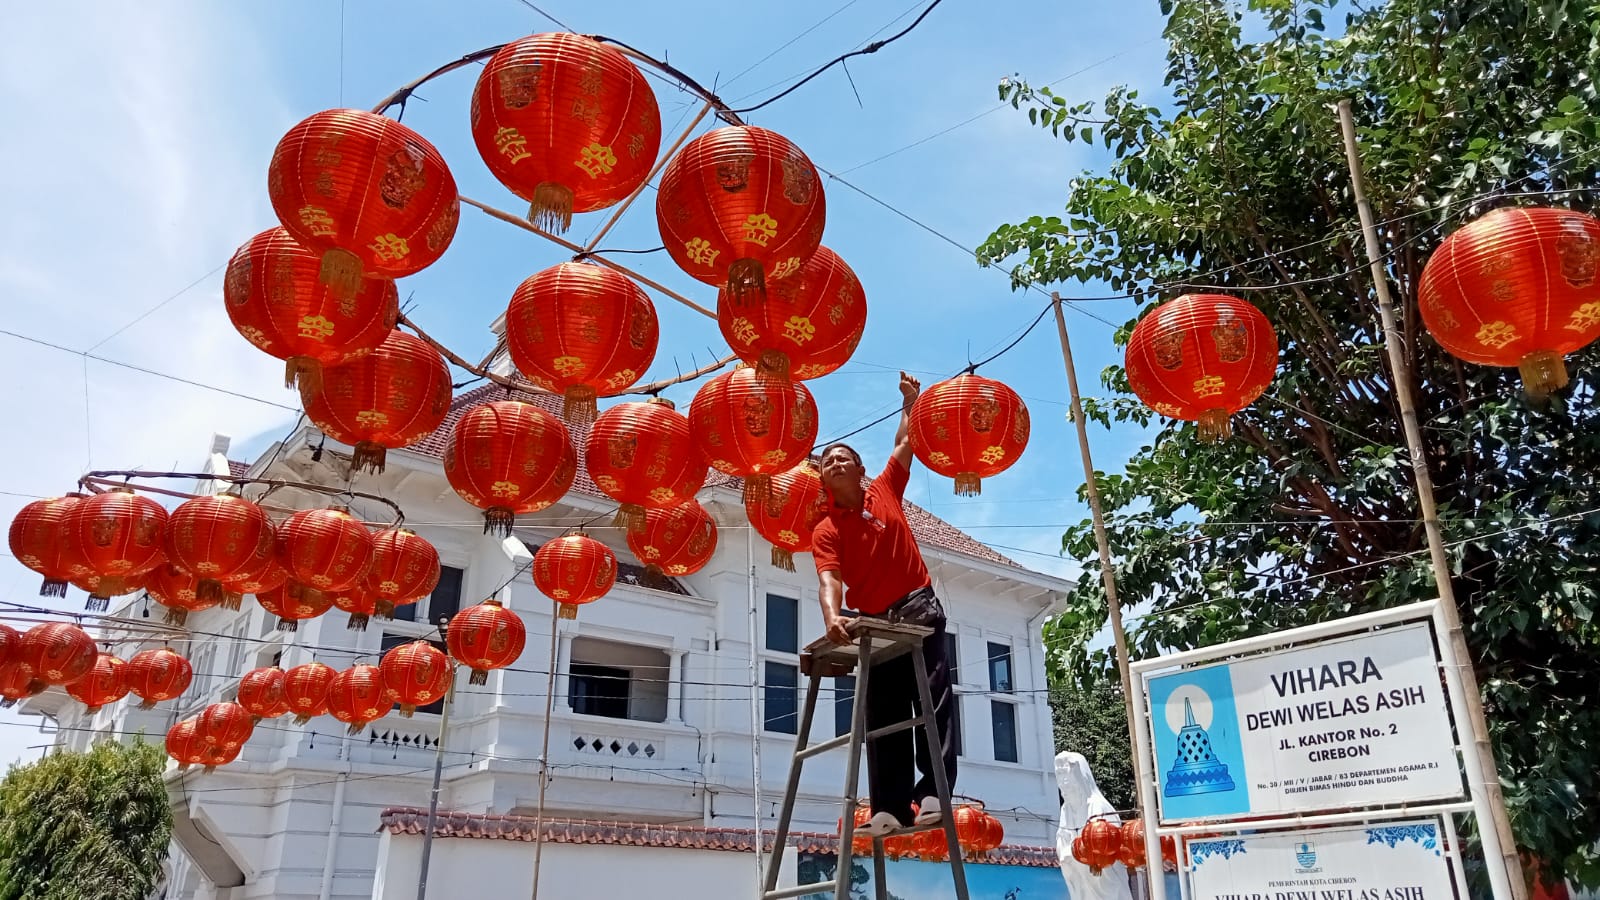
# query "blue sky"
(135, 155)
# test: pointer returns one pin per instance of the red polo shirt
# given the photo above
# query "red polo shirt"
(871, 546)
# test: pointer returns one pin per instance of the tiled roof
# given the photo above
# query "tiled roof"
(486, 826)
(929, 528)
(238, 469)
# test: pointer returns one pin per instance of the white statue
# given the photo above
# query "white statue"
(1081, 801)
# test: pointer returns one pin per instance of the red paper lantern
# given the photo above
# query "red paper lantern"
(10, 641)
(39, 541)
(1132, 852)
(567, 123)
(739, 207)
(1202, 358)
(305, 687)
(215, 538)
(1517, 287)
(677, 541)
(994, 834)
(177, 591)
(17, 683)
(486, 636)
(326, 549)
(390, 398)
(369, 194)
(1169, 849)
(809, 326)
(102, 588)
(752, 427)
(509, 458)
(643, 456)
(158, 675)
(969, 428)
(261, 692)
(274, 299)
(583, 331)
(900, 846)
(184, 744)
(293, 603)
(860, 845)
(226, 725)
(117, 535)
(931, 846)
(358, 695)
(361, 606)
(405, 568)
(57, 652)
(417, 674)
(1098, 845)
(104, 683)
(789, 513)
(572, 570)
(261, 572)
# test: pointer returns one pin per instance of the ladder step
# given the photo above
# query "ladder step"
(874, 734)
(820, 887)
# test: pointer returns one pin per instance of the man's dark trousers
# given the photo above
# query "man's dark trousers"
(892, 697)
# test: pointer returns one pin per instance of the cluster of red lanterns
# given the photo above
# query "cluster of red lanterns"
(1103, 843)
(977, 832)
(63, 654)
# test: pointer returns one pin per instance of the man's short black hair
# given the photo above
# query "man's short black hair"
(840, 444)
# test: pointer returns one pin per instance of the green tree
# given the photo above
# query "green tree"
(85, 826)
(1309, 513)
(1091, 721)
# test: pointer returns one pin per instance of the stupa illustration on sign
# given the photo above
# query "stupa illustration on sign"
(1196, 770)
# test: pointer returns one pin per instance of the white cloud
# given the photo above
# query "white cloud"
(134, 162)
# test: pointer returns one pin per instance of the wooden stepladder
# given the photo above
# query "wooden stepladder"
(876, 642)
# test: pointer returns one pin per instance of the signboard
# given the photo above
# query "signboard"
(1393, 861)
(1357, 721)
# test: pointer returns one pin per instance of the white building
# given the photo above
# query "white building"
(652, 722)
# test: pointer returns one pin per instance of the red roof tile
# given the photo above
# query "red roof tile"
(486, 826)
(929, 528)
(238, 469)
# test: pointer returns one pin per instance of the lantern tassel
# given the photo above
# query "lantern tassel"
(384, 608)
(566, 611)
(209, 590)
(183, 767)
(175, 616)
(305, 373)
(631, 517)
(209, 769)
(578, 406)
(147, 704)
(1215, 425)
(1542, 371)
(497, 520)
(757, 488)
(96, 603)
(783, 559)
(747, 282)
(231, 599)
(341, 272)
(355, 728)
(288, 625)
(552, 207)
(358, 622)
(773, 366)
(53, 588)
(654, 577)
(407, 710)
(301, 718)
(369, 457)
(968, 484)
(479, 676)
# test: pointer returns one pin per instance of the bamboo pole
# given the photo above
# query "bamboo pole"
(433, 798)
(1488, 778)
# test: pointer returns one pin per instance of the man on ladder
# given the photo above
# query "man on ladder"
(867, 558)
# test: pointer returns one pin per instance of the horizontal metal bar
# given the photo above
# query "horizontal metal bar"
(824, 747)
(874, 734)
(1333, 628)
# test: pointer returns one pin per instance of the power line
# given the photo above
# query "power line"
(786, 44)
(147, 313)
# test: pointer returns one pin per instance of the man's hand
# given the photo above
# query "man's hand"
(839, 630)
(910, 387)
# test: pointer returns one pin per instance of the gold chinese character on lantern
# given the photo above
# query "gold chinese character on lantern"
(1209, 386)
(635, 146)
(1497, 334)
(372, 418)
(567, 366)
(315, 327)
(785, 267)
(596, 159)
(389, 247)
(317, 221)
(621, 380)
(1586, 317)
(590, 81)
(744, 331)
(799, 329)
(992, 454)
(700, 251)
(511, 144)
(505, 489)
(760, 228)
(586, 111)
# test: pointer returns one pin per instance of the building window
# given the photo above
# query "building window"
(391, 641)
(1004, 714)
(617, 680)
(781, 691)
(1000, 668)
(953, 659)
(599, 690)
(444, 601)
(844, 703)
(781, 697)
